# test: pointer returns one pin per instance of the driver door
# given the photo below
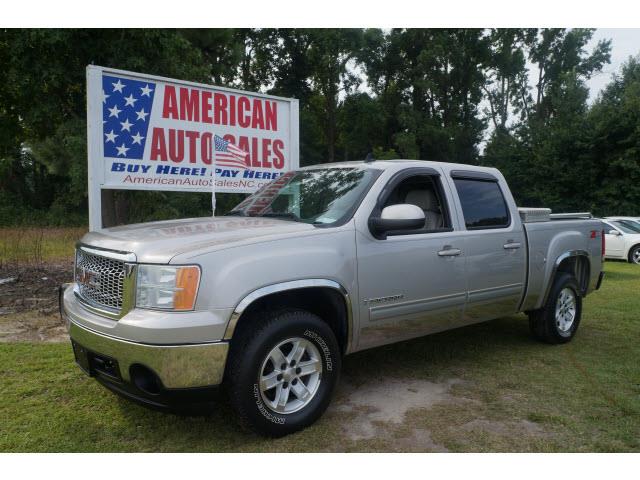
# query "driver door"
(411, 283)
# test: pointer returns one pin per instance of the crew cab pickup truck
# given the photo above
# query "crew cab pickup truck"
(322, 262)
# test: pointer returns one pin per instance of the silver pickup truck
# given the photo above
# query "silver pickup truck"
(322, 262)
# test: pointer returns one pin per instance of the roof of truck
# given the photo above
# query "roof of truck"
(397, 164)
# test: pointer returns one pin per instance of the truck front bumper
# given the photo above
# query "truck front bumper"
(158, 375)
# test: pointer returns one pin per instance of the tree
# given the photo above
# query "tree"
(45, 70)
(506, 86)
(360, 125)
(330, 52)
(615, 143)
(558, 51)
(432, 80)
(545, 153)
(414, 93)
(316, 67)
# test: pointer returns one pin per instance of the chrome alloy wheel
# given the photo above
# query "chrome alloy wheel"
(635, 256)
(290, 375)
(565, 310)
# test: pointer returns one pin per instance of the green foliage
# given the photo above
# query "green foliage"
(42, 100)
(462, 95)
(615, 142)
(562, 153)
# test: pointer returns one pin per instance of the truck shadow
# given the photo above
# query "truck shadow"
(434, 358)
(620, 275)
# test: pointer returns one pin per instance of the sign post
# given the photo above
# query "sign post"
(146, 132)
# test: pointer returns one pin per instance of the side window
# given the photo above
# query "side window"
(483, 204)
(425, 192)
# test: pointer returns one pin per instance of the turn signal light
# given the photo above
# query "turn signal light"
(187, 281)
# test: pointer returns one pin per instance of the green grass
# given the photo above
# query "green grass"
(583, 396)
(35, 245)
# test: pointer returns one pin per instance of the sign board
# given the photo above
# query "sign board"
(153, 133)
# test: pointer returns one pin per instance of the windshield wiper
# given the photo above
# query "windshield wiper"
(289, 215)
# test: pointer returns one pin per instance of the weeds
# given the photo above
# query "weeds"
(35, 246)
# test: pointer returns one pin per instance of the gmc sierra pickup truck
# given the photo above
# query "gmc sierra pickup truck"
(323, 262)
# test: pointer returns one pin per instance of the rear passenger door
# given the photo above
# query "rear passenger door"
(494, 246)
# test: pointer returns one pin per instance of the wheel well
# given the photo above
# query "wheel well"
(327, 303)
(579, 267)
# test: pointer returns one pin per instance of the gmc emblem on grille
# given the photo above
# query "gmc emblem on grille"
(88, 278)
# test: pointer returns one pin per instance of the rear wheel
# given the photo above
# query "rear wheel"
(634, 255)
(282, 372)
(558, 320)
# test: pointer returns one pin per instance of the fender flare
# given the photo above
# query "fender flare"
(288, 286)
(561, 258)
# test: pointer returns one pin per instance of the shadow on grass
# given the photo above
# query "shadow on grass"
(212, 428)
(620, 275)
(443, 354)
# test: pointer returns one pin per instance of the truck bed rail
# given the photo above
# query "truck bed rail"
(532, 215)
(571, 216)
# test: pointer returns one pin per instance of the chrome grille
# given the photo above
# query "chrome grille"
(100, 280)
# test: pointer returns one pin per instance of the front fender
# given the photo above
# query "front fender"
(233, 277)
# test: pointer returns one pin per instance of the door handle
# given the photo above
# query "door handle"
(447, 251)
(511, 245)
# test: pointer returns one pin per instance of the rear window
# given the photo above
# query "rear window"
(483, 204)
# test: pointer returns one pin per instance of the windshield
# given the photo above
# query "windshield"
(627, 226)
(320, 197)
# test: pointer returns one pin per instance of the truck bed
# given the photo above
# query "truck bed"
(562, 237)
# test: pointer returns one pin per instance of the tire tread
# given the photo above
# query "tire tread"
(248, 338)
(542, 321)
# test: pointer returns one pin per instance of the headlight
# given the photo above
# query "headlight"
(166, 287)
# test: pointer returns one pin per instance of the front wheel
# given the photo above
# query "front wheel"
(558, 320)
(282, 372)
(634, 255)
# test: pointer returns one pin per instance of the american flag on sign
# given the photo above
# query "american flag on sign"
(126, 109)
(229, 155)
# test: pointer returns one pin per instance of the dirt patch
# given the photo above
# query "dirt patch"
(29, 302)
(378, 409)
(419, 440)
(28, 288)
(32, 327)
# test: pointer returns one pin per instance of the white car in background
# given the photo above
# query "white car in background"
(634, 220)
(622, 237)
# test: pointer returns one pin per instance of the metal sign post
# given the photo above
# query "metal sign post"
(146, 132)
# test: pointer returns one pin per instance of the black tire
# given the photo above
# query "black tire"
(634, 255)
(543, 323)
(251, 348)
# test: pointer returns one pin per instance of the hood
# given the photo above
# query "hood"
(159, 242)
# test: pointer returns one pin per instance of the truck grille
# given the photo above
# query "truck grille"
(100, 280)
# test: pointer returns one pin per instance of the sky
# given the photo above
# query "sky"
(625, 42)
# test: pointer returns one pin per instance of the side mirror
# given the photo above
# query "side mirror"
(614, 232)
(397, 217)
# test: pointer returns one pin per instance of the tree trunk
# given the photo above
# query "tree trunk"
(331, 126)
(115, 208)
